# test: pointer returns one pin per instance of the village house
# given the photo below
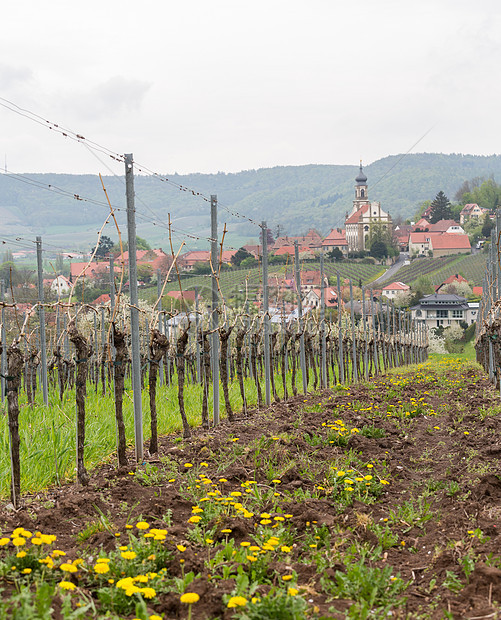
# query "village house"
(311, 240)
(419, 243)
(188, 260)
(188, 296)
(365, 218)
(335, 239)
(60, 285)
(392, 290)
(313, 298)
(457, 278)
(446, 244)
(471, 210)
(90, 270)
(440, 244)
(444, 310)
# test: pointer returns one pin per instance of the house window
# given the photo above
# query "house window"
(442, 314)
(457, 314)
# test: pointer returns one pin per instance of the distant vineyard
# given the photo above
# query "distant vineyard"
(233, 283)
(423, 267)
(470, 267)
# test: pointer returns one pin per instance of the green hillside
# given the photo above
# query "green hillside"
(294, 197)
(471, 267)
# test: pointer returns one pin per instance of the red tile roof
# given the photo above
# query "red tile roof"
(335, 237)
(102, 299)
(396, 286)
(450, 241)
(188, 295)
(442, 225)
(355, 218)
(455, 278)
(419, 237)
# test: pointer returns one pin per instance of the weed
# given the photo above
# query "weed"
(372, 586)
(412, 514)
(386, 537)
(453, 488)
(149, 475)
(373, 432)
(452, 582)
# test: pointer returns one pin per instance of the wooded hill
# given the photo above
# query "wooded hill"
(294, 197)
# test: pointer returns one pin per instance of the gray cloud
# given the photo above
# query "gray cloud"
(116, 95)
(14, 76)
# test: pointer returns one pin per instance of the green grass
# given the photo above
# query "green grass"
(48, 433)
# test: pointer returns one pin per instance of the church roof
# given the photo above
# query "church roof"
(361, 178)
(356, 217)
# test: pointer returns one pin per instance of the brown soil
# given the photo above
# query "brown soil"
(465, 448)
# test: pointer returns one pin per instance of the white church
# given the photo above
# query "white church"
(364, 217)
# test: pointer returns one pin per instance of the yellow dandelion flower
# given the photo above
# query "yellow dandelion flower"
(194, 519)
(128, 555)
(68, 568)
(101, 567)
(142, 525)
(189, 598)
(67, 585)
(19, 541)
(148, 592)
(237, 601)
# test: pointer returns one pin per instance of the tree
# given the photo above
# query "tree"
(335, 254)
(141, 244)
(8, 273)
(144, 273)
(440, 208)
(379, 249)
(248, 262)
(487, 226)
(484, 192)
(103, 247)
(241, 255)
(421, 209)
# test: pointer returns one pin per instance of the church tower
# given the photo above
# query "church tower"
(361, 186)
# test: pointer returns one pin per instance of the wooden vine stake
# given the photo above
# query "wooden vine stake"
(13, 383)
(120, 362)
(182, 343)
(83, 351)
(159, 345)
(224, 335)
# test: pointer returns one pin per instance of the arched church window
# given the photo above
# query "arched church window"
(362, 193)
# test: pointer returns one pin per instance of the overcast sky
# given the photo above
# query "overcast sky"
(225, 85)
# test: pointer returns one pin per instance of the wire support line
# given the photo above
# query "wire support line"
(402, 156)
(90, 144)
(79, 197)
